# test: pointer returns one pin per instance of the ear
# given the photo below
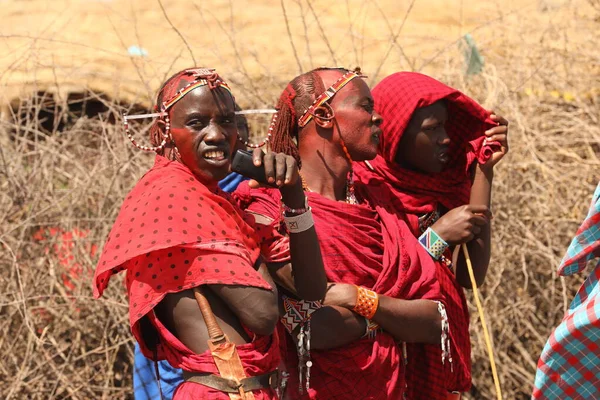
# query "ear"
(324, 116)
(162, 128)
(161, 125)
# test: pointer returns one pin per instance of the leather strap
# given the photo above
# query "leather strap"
(264, 381)
(223, 351)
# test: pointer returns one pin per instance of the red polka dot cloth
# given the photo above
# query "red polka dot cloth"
(173, 233)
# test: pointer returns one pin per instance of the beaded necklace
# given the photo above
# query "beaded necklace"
(350, 195)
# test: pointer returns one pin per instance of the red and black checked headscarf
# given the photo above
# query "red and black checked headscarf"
(397, 97)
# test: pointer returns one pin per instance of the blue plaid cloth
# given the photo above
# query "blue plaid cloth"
(145, 386)
(569, 367)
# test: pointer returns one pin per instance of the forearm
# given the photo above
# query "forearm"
(307, 268)
(411, 321)
(304, 275)
(480, 247)
(333, 326)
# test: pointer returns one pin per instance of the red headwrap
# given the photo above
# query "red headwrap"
(397, 97)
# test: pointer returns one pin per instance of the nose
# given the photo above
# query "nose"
(215, 134)
(376, 118)
(443, 138)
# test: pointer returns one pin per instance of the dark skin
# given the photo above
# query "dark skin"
(243, 132)
(204, 130)
(423, 148)
(325, 168)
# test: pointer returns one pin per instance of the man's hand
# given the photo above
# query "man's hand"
(497, 134)
(282, 170)
(462, 224)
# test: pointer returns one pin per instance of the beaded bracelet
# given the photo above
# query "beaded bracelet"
(297, 312)
(371, 329)
(294, 211)
(367, 302)
(299, 223)
(433, 243)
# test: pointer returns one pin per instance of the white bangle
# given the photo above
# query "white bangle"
(299, 223)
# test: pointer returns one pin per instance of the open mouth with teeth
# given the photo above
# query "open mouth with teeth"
(215, 155)
(443, 157)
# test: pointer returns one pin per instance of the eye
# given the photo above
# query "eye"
(195, 123)
(432, 128)
(368, 107)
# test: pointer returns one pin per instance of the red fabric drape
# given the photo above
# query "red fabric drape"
(259, 357)
(368, 245)
(397, 97)
(172, 234)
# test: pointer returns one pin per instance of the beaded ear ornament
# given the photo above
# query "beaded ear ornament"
(167, 133)
(322, 101)
(203, 77)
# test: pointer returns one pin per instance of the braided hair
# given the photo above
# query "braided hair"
(155, 129)
(297, 97)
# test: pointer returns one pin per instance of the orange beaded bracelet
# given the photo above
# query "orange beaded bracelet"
(367, 302)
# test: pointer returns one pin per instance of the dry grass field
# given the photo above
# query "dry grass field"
(65, 164)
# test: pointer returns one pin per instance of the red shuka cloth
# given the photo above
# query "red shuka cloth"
(172, 234)
(397, 97)
(366, 245)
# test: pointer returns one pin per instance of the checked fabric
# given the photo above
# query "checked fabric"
(569, 367)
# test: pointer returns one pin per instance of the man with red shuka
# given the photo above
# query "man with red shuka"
(382, 290)
(199, 294)
(437, 155)
(151, 381)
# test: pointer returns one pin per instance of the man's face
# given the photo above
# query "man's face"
(424, 146)
(203, 126)
(355, 118)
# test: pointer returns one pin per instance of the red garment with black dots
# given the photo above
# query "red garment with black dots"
(172, 234)
(258, 357)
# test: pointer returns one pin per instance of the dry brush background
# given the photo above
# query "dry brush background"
(65, 163)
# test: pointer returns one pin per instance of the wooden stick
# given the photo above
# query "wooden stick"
(486, 335)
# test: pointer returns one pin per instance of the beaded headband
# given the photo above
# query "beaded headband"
(327, 95)
(204, 77)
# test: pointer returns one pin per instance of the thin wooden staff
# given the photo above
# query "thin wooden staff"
(486, 334)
